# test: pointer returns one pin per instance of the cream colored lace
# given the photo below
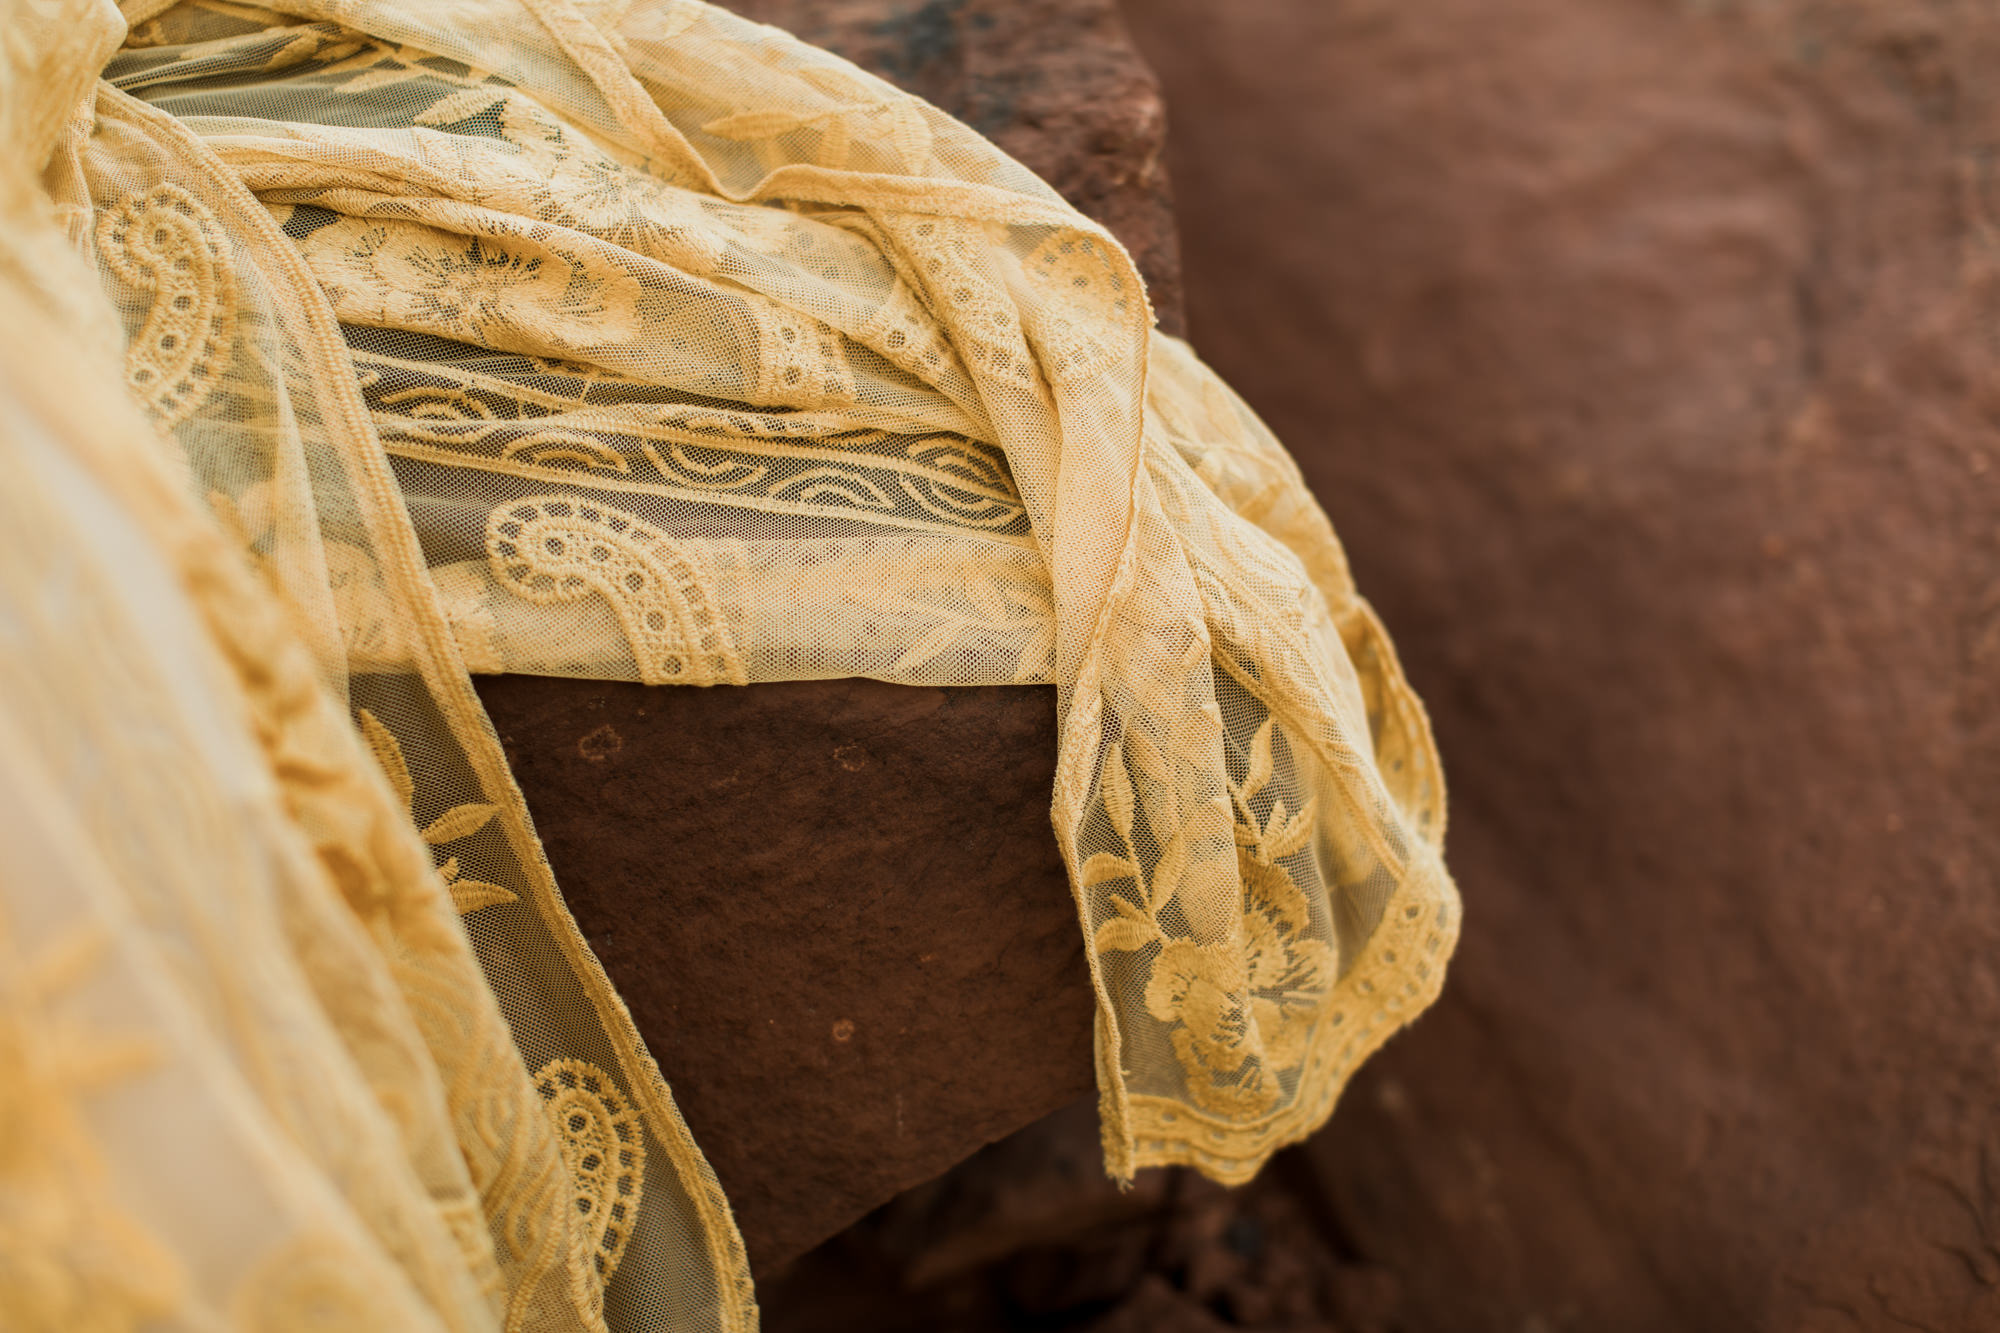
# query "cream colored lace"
(617, 338)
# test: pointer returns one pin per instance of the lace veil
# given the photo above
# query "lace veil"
(353, 347)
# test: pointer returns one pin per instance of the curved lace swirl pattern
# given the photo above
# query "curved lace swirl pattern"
(556, 548)
(605, 1151)
(165, 243)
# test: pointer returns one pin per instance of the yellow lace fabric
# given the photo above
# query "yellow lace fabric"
(616, 338)
(251, 1075)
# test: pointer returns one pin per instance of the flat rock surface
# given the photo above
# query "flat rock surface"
(836, 909)
(836, 912)
(1645, 356)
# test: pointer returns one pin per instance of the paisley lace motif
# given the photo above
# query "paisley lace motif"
(560, 548)
(167, 244)
(605, 1152)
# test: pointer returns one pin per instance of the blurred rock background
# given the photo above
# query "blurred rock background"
(1644, 353)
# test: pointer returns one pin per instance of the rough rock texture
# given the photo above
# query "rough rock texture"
(836, 912)
(1645, 355)
(1056, 83)
(836, 909)
(1029, 1234)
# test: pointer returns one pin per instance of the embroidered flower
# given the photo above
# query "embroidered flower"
(537, 167)
(1241, 1010)
(510, 293)
(1201, 986)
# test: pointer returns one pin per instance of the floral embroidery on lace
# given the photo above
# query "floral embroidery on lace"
(1241, 1009)
(557, 177)
(522, 285)
(167, 244)
(461, 821)
(70, 1258)
(605, 1152)
(904, 332)
(559, 548)
(987, 607)
(1223, 947)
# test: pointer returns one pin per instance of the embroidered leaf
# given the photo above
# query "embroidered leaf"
(842, 85)
(469, 895)
(1273, 822)
(449, 870)
(759, 124)
(1269, 888)
(385, 75)
(307, 45)
(1282, 837)
(1128, 909)
(1104, 866)
(680, 16)
(661, 25)
(833, 143)
(461, 821)
(923, 650)
(1167, 874)
(1197, 650)
(910, 132)
(1260, 761)
(1034, 663)
(1117, 791)
(1124, 933)
(983, 590)
(389, 755)
(464, 104)
(1146, 757)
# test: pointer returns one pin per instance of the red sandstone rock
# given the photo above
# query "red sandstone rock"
(1029, 1234)
(1644, 355)
(836, 912)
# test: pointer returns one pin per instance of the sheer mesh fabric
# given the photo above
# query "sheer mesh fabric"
(628, 339)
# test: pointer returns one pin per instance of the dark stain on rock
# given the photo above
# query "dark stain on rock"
(917, 39)
(600, 744)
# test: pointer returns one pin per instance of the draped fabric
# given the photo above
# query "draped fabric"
(352, 347)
